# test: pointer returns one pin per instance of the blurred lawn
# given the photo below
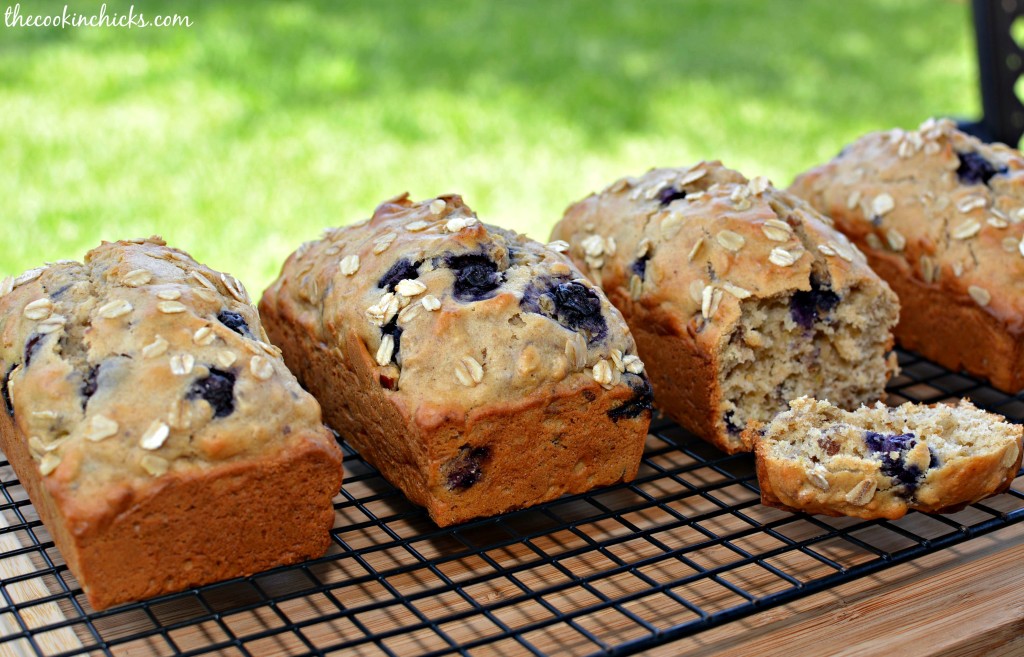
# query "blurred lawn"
(242, 136)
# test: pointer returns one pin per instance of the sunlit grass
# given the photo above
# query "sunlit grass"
(266, 121)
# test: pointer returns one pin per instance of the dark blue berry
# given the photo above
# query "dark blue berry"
(402, 269)
(976, 170)
(465, 469)
(641, 402)
(5, 390)
(476, 277)
(808, 306)
(885, 445)
(668, 194)
(579, 308)
(235, 322)
(733, 429)
(32, 346)
(395, 331)
(576, 306)
(89, 384)
(218, 389)
(639, 266)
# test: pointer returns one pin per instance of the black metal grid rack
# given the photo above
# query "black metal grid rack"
(684, 548)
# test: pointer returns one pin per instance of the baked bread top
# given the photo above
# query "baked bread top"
(139, 363)
(946, 207)
(456, 313)
(691, 243)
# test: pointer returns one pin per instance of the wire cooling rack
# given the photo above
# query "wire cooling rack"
(683, 548)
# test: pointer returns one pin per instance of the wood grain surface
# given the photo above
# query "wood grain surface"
(963, 601)
(25, 590)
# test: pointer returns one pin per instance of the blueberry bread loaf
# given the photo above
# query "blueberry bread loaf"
(940, 216)
(880, 462)
(475, 368)
(160, 437)
(740, 296)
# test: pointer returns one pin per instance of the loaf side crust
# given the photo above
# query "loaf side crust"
(190, 528)
(578, 446)
(951, 329)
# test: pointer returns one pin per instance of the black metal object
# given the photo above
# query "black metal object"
(1000, 65)
(684, 548)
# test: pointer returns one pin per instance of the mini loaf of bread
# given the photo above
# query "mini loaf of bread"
(475, 368)
(740, 296)
(880, 462)
(940, 216)
(160, 437)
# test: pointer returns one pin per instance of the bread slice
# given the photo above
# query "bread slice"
(880, 462)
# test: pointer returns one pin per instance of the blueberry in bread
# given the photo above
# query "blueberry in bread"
(475, 368)
(158, 433)
(940, 216)
(740, 296)
(880, 462)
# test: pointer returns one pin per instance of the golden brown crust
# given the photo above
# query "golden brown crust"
(949, 245)
(518, 436)
(952, 330)
(684, 374)
(191, 528)
(784, 486)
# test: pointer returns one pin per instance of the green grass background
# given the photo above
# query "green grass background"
(265, 122)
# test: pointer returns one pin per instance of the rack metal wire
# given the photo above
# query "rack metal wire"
(684, 548)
